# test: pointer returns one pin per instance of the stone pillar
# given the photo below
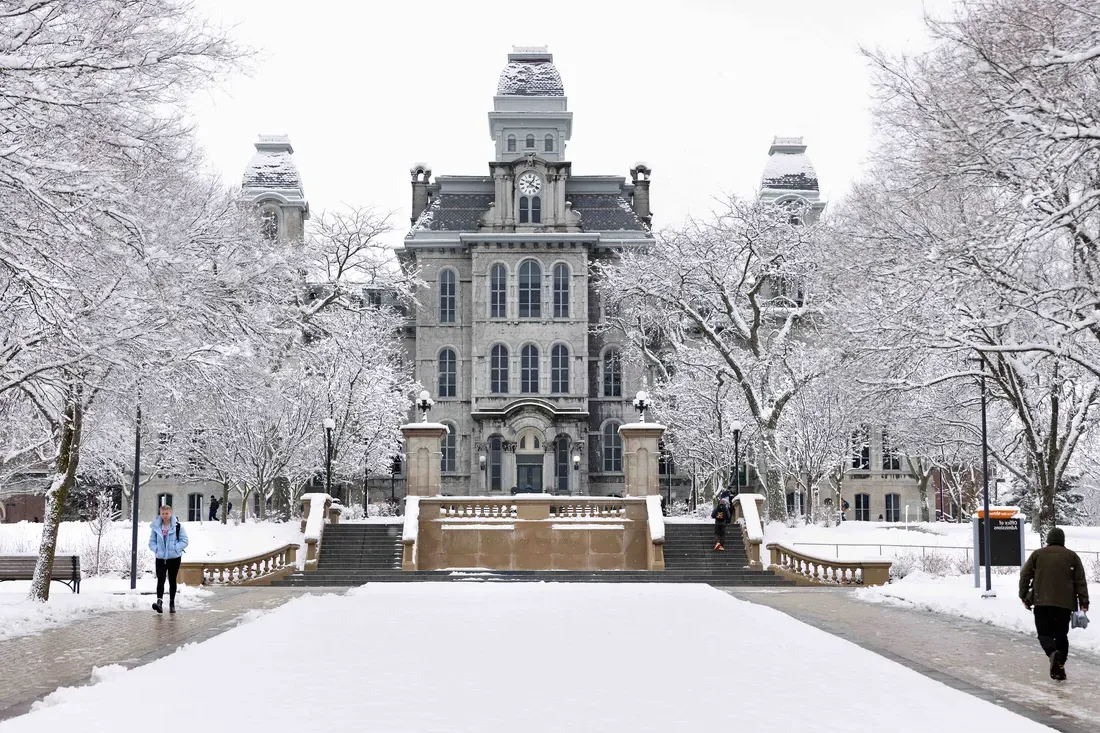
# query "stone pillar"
(423, 452)
(640, 455)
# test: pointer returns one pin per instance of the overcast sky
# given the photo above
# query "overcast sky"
(695, 89)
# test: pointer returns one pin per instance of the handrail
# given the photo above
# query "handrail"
(809, 569)
(410, 531)
(746, 508)
(317, 508)
(256, 570)
(655, 534)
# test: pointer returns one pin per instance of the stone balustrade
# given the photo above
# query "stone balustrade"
(806, 569)
(746, 512)
(317, 510)
(530, 532)
(256, 570)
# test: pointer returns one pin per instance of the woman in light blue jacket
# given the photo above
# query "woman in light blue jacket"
(167, 540)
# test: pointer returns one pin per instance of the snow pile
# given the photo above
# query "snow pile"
(618, 635)
(957, 596)
(750, 511)
(19, 616)
(61, 694)
(656, 519)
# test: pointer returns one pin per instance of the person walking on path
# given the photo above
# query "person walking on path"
(721, 516)
(167, 540)
(213, 515)
(1053, 583)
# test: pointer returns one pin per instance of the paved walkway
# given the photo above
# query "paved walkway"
(34, 666)
(1004, 667)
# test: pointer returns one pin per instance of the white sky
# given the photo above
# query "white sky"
(695, 89)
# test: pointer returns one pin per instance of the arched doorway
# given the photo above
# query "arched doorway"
(530, 450)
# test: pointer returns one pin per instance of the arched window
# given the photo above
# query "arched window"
(561, 463)
(498, 292)
(498, 370)
(530, 210)
(164, 500)
(559, 369)
(448, 297)
(529, 370)
(448, 462)
(448, 374)
(893, 507)
(530, 290)
(612, 448)
(511, 143)
(863, 507)
(524, 210)
(548, 144)
(496, 456)
(531, 141)
(612, 374)
(561, 291)
(536, 209)
(269, 224)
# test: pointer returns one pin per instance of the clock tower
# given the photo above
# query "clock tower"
(530, 125)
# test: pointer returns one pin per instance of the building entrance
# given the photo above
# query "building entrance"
(529, 472)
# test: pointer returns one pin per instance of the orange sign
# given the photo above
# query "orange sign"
(998, 513)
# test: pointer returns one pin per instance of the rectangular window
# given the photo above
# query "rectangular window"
(498, 299)
(529, 370)
(861, 450)
(559, 370)
(561, 291)
(194, 507)
(561, 464)
(498, 370)
(893, 507)
(495, 463)
(863, 507)
(447, 296)
(891, 459)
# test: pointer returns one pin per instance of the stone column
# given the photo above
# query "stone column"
(423, 452)
(640, 455)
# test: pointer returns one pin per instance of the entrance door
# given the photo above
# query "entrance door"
(529, 475)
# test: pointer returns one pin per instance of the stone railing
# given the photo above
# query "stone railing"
(257, 570)
(317, 509)
(655, 537)
(807, 569)
(530, 532)
(746, 510)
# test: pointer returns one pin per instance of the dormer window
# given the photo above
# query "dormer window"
(548, 144)
(511, 143)
(269, 224)
(530, 142)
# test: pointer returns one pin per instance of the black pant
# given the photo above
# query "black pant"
(1052, 625)
(171, 568)
(720, 531)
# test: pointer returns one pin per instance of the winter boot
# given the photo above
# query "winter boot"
(171, 606)
(1057, 667)
(159, 606)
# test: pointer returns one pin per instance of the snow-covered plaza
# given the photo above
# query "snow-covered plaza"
(532, 657)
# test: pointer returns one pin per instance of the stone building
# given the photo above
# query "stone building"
(507, 336)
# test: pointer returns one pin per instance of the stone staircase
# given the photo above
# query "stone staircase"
(354, 554)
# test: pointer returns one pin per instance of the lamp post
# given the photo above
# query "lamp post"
(987, 531)
(737, 427)
(481, 465)
(424, 404)
(641, 404)
(134, 502)
(330, 424)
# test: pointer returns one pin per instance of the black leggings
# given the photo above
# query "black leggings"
(1052, 625)
(171, 568)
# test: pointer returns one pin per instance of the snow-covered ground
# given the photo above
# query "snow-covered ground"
(957, 596)
(532, 657)
(110, 590)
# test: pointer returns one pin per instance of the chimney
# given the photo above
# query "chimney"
(421, 176)
(640, 174)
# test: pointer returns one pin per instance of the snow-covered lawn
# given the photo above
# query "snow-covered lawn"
(531, 657)
(957, 596)
(110, 591)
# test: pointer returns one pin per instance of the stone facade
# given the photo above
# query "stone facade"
(507, 333)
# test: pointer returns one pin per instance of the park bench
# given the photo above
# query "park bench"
(66, 569)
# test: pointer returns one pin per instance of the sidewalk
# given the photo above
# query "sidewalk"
(1003, 667)
(35, 666)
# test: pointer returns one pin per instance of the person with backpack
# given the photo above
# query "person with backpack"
(722, 515)
(167, 541)
(1053, 586)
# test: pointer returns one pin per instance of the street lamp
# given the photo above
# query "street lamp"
(424, 404)
(330, 425)
(737, 427)
(988, 554)
(641, 404)
(576, 462)
(137, 486)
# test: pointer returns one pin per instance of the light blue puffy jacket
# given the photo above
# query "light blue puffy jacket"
(167, 548)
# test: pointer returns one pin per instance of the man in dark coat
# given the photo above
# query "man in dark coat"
(721, 514)
(213, 516)
(1053, 583)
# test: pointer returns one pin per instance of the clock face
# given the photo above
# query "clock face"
(529, 184)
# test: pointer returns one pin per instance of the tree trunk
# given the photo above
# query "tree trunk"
(225, 502)
(1046, 508)
(68, 457)
(774, 487)
(922, 487)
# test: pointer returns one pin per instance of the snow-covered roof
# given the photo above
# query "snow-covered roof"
(530, 73)
(272, 167)
(789, 168)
